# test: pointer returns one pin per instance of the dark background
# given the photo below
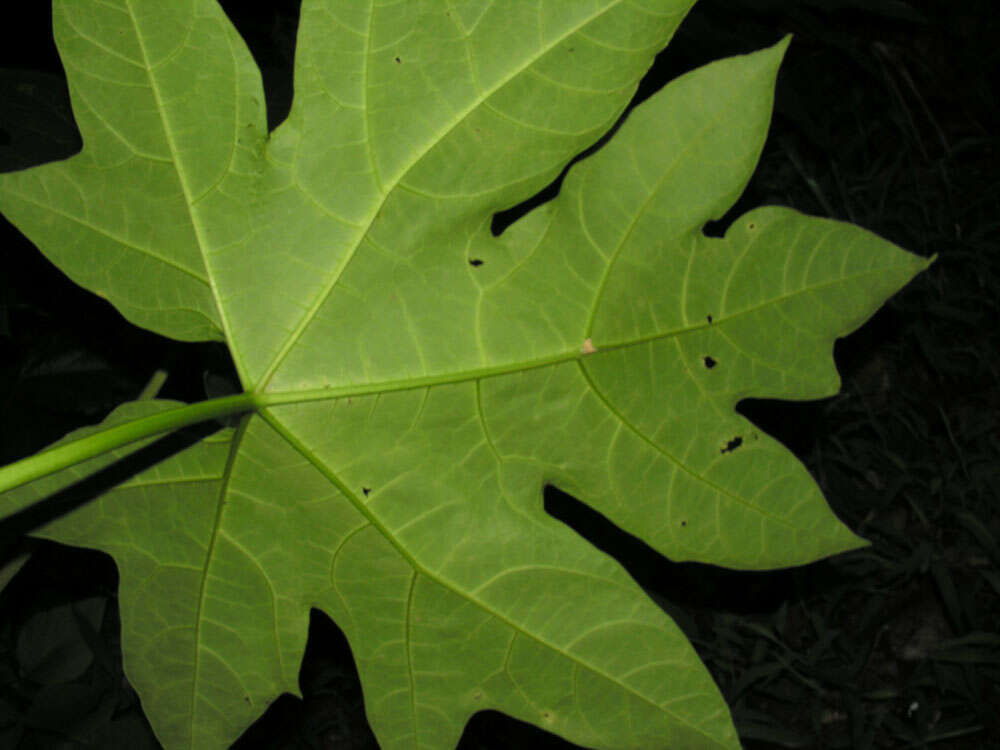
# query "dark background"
(885, 116)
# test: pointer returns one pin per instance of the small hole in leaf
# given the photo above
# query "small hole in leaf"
(709, 319)
(684, 523)
(732, 445)
(475, 262)
(366, 490)
(398, 60)
(709, 362)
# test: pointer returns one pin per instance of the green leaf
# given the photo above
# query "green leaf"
(415, 380)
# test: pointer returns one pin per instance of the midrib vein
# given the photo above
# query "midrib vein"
(199, 232)
(327, 393)
(390, 184)
(474, 597)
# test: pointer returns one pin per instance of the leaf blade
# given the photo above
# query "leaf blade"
(149, 194)
(419, 381)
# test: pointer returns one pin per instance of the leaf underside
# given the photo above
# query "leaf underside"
(421, 379)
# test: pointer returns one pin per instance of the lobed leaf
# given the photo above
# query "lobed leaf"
(419, 380)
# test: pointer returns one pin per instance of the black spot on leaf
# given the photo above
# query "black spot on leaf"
(366, 490)
(709, 362)
(709, 319)
(398, 60)
(732, 445)
(475, 262)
